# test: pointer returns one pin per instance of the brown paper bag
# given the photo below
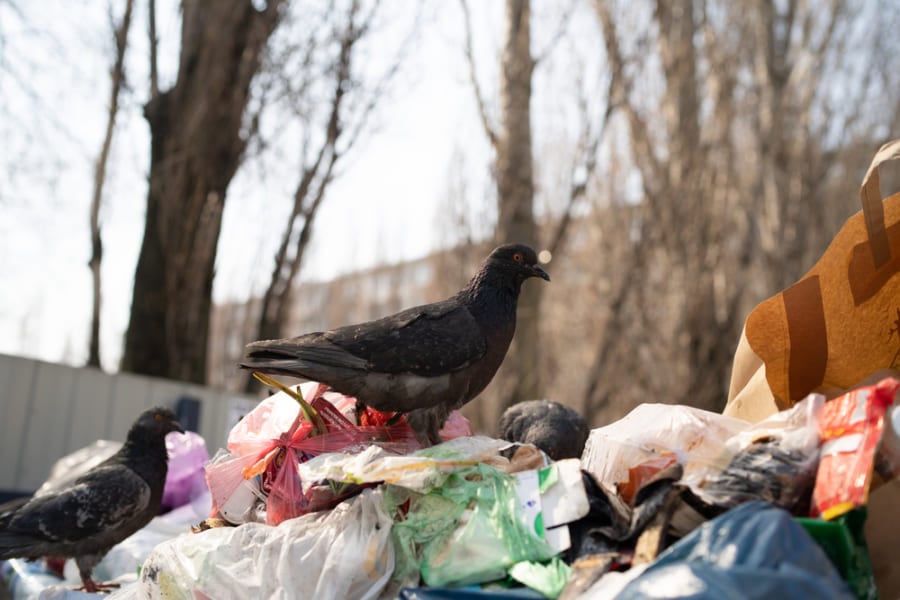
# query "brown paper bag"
(836, 328)
(841, 321)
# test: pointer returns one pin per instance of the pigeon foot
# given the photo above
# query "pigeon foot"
(93, 587)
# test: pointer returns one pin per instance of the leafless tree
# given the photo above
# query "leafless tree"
(198, 138)
(735, 130)
(117, 75)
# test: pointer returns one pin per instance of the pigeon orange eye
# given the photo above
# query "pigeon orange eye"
(158, 417)
(517, 257)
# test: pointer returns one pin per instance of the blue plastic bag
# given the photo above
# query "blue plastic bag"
(753, 551)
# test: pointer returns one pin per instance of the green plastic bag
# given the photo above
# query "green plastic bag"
(843, 540)
(469, 530)
(547, 578)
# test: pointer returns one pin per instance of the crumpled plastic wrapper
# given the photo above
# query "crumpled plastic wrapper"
(420, 470)
(774, 460)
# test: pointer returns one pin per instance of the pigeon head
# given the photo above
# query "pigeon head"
(517, 261)
(157, 421)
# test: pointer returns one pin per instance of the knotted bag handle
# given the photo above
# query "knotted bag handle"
(873, 210)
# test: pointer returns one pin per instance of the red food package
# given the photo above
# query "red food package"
(850, 428)
(640, 474)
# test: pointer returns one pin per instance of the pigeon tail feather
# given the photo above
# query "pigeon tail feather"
(303, 369)
(265, 353)
(17, 545)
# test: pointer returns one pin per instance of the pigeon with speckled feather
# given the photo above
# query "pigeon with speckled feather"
(555, 428)
(86, 518)
(424, 361)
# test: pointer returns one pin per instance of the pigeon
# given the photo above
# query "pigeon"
(425, 361)
(555, 428)
(87, 517)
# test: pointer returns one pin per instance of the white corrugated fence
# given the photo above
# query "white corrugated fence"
(48, 410)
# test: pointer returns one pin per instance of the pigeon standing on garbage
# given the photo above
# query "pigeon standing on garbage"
(555, 428)
(424, 361)
(90, 515)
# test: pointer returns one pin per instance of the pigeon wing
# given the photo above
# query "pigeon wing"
(98, 502)
(428, 340)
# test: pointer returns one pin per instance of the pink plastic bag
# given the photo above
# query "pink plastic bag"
(272, 440)
(267, 422)
(455, 426)
(255, 443)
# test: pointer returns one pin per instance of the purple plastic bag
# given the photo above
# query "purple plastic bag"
(186, 478)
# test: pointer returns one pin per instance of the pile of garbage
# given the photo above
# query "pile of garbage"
(315, 497)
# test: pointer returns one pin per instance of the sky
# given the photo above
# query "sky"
(386, 206)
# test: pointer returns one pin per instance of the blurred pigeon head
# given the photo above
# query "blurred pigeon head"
(555, 428)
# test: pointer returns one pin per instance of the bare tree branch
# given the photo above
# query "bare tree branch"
(118, 80)
(584, 166)
(383, 84)
(558, 33)
(41, 104)
(621, 91)
(489, 129)
(596, 394)
(154, 43)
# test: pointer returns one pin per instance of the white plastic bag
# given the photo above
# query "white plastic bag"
(127, 556)
(695, 437)
(342, 553)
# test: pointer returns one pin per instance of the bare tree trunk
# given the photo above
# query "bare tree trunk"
(118, 78)
(515, 179)
(196, 146)
(515, 193)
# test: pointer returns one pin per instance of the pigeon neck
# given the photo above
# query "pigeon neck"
(146, 452)
(490, 292)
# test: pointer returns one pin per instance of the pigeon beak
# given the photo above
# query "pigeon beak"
(536, 271)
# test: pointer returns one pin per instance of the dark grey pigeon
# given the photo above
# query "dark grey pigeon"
(555, 428)
(87, 517)
(425, 361)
